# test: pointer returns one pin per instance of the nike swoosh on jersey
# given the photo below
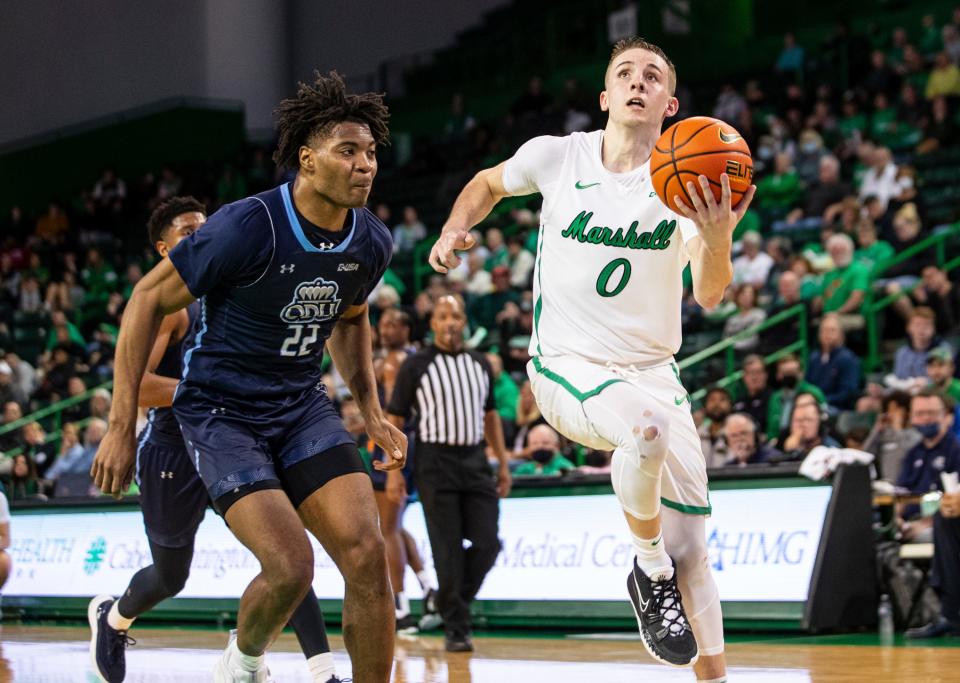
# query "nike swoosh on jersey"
(729, 137)
(679, 401)
(584, 187)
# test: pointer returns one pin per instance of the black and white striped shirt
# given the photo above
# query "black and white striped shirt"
(447, 393)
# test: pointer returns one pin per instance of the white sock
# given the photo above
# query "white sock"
(651, 555)
(403, 604)
(426, 581)
(118, 621)
(250, 663)
(321, 667)
(722, 679)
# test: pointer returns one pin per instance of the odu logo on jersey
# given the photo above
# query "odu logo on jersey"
(313, 302)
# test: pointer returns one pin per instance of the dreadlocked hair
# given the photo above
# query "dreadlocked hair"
(163, 216)
(318, 108)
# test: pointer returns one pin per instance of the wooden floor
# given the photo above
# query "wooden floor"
(59, 654)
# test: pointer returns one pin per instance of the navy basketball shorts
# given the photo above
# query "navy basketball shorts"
(239, 446)
(172, 497)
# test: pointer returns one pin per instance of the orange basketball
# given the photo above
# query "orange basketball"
(698, 146)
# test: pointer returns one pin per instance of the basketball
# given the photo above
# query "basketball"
(698, 146)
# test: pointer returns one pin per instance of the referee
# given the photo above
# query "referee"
(449, 391)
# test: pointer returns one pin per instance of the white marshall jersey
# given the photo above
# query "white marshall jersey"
(608, 280)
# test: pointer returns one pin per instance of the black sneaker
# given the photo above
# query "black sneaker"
(108, 646)
(938, 628)
(663, 624)
(431, 618)
(458, 641)
(407, 624)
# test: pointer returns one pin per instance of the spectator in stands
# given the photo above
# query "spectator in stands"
(871, 250)
(940, 129)
(717, 405)
(835, 370)
(753, 265)
(809, 154)
(24, 375)
(543, 450)
(78, 459)
(881, 78)
(757, 392)
(9, 390)
(790, 61)
(528, 416)
(53, 225)
(484, 310)
(479, 281)
(30, 298)
(35, 445)
(409, 233)
(534, 103)
(100, 403)
(58, 370)
(497, 254)
(951, 42)
(24, 482)
(823, 198)
(459, 122)
(748, 315)
(942, 296)
(505, 395)
(520, 261)
(845, 287)
(11, 413)
(906, 227)
(880, 180)
(730, 104)
(940, 371)
(892, 436)
(789, 376)
(931, 414)
(807, 429)
(63, 332)
(944, 78)
(745, 442)
(780, 191)
(910, 361)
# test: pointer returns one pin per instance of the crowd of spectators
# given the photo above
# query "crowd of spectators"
(838, 197)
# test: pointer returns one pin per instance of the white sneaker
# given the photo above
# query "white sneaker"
(226, 673)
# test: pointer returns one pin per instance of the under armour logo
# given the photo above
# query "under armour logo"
(218, 411)
(323, 246)
(166, 475)
(284, 269)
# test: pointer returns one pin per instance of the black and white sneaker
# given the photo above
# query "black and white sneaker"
(108, 646)
(664, 628)
(431, 618)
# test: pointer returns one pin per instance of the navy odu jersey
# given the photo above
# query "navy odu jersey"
(270, 297)
(162, 427)
(251, 403)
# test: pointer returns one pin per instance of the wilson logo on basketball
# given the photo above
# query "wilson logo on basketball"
(312, 302)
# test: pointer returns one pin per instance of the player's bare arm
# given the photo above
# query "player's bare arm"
(156, 391)
(350, 348)
(161, 292)
(710, 262)
(493, 433)
(474, 203)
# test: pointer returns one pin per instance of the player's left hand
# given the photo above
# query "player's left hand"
(391, 440)
(504, 481)
(715, 221)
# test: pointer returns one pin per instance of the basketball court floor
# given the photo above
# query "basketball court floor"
(59, 654)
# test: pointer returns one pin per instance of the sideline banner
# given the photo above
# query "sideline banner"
(762, 545)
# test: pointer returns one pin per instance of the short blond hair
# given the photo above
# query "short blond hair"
(635, 42)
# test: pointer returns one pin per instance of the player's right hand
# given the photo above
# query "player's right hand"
(112, 469)
(443, 255)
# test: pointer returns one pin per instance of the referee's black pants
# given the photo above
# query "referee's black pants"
(460, 502)
(946, 566)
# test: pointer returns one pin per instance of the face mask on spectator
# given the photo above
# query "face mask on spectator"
(765, 152)
(928, 431)
(810, 147)
(789, 381)
(542, 456)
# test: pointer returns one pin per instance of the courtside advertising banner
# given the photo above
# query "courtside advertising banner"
(762, 544)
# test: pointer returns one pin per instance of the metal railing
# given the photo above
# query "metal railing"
(726, 346)
(872, 306)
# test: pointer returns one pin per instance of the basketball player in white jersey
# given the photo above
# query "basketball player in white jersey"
(608, 289)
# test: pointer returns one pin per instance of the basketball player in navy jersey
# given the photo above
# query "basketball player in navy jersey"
(173, 499)
(281, 276)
